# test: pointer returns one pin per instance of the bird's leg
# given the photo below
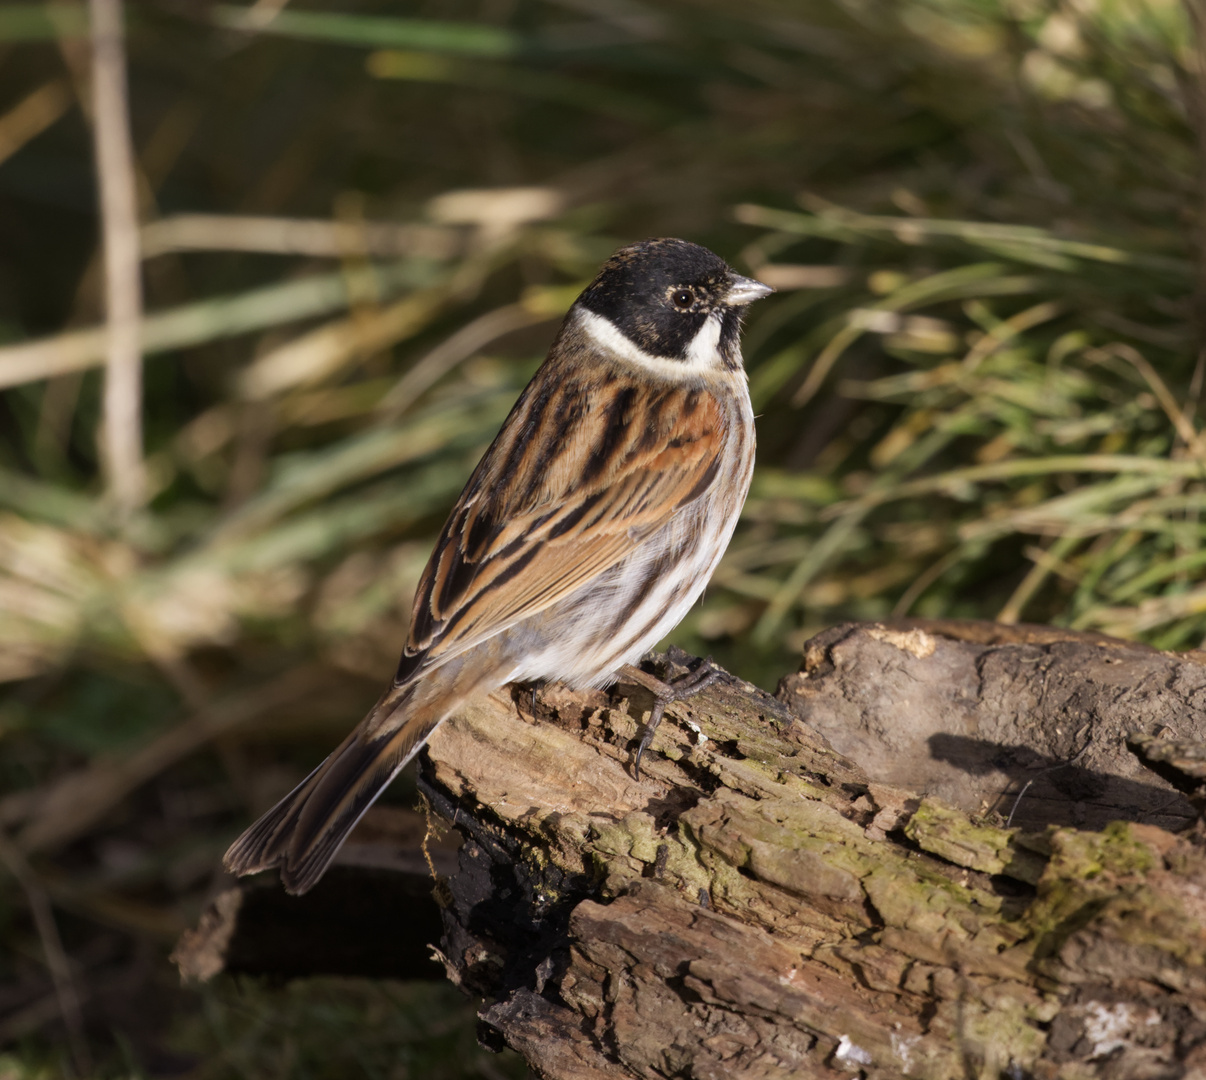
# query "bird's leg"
(521, 690)
(666, 693)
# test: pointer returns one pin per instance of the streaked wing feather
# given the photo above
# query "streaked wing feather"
(576, 479)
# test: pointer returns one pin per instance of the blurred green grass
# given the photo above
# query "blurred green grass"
(978, 386)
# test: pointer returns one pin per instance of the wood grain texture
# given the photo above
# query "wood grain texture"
(759, 905)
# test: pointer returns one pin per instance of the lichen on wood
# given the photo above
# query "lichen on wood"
(756, 905)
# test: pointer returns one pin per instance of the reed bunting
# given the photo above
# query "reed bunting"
(586, 532)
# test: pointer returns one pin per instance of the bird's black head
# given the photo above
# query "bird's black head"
(661, 293)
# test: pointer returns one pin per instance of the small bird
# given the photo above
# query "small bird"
(584, 535)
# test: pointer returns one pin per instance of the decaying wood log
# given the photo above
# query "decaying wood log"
(972, 712)
(759, 905)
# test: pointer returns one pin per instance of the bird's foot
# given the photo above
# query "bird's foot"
(701, 675)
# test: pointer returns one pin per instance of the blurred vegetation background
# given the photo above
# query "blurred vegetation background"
(978, 391)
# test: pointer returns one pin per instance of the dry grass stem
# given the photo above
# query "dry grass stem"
(122, 423)
(319, 354)
(196, 323)
(459, 347)
(1179, 417)
(311, 238)
(67, 996)
(33, 115)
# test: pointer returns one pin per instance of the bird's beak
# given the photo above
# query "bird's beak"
(745, 290)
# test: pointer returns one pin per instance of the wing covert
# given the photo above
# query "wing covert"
(579, 475)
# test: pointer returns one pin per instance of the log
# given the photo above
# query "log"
(822, 883)
(973, 712)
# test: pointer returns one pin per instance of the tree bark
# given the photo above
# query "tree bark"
(759, 905)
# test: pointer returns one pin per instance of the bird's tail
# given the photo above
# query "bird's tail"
(303, 832)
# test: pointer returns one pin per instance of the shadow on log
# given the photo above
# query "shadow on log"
(760, 904)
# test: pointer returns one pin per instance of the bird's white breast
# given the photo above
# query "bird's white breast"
(565, 642)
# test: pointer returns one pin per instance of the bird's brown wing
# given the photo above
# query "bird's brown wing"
(580, 474)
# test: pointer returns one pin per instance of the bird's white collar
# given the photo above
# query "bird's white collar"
(703, 354)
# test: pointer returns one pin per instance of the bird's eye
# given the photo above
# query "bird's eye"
(683, 298)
